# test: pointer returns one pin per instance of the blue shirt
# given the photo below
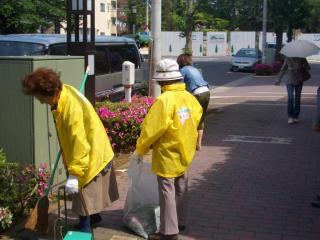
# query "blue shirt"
(192, 78)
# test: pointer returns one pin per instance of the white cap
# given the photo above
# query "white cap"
(167, 70)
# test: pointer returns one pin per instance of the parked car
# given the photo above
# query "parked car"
(141, 38)
(110, 53)
(246, 59)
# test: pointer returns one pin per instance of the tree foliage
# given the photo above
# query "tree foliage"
(29, 16)
(313, 21)
(286, 16)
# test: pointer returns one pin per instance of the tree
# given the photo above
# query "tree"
(139, 18)
(286, 16)
(174, 15)
(29, 16)
(313, 21)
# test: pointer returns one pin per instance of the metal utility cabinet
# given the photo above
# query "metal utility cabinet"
(27, 131)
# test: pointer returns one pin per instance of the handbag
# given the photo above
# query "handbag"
(304, 73)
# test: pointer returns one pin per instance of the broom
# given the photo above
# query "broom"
(38, 220)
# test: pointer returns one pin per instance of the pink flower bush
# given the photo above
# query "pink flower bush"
(42, 178)
(5, 218)
(21, 187)
(263, 69)
(268, 69)
(122, 121)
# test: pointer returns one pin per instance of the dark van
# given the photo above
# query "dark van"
(110, 53)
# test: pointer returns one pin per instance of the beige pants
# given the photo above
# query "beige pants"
(173, 203)
(97, 194)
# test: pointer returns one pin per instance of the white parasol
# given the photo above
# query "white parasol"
(300, 48)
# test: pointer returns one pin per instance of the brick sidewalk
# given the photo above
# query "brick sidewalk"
(251, 190)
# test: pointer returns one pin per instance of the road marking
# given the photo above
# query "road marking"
(280, 93)
(217, 97)
(260, 104)
(257, 139)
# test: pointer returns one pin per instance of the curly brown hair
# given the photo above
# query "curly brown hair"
(43, 81)
(184, 59)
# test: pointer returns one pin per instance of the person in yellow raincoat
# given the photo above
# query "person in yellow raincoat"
(170, 129)
(87, 153)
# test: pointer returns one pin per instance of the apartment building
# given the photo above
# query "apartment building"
(105, 18)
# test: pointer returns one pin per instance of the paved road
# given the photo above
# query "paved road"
(216, 70)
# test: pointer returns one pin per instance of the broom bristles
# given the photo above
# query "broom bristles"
(38, 220)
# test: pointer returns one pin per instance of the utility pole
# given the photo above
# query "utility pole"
(147, 14)
(134, 13)
(156, 37)
(264, 30)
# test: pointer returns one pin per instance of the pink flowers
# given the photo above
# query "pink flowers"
(267, 69)
(42, 179)
(122, 121)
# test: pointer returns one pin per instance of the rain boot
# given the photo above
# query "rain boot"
(85, 224)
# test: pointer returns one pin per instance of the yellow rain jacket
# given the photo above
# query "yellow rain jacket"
(83, 139)
(170, 128)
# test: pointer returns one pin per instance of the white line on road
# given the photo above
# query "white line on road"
(217, 97)
(280, 93)
(257, 139)
(260, 104)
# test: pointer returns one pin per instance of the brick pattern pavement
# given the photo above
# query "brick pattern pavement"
(244, 191)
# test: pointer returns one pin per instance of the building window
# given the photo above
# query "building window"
(102, 7)
(113, 5)
(113, 20)
(102, 33)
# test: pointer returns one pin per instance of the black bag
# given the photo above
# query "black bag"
(304, 73)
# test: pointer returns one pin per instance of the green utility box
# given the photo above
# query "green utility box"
(27, 131)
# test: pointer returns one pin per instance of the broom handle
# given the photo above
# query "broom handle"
(84, 79)
(83, 83)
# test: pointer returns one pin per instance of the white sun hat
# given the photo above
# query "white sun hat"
(167, 70)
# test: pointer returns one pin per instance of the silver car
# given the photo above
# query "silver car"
(246, 59)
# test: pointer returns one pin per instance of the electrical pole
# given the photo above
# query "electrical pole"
(147, 13)
(156, 37)
(264, 31)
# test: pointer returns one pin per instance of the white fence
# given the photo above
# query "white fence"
(217, 44)
(172, 43)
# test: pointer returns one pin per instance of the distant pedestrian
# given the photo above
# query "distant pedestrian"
(291, 74)
(197, 86)
(170, 129)
(317, 118)
(86, 150)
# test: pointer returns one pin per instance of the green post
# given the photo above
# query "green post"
(216, 49)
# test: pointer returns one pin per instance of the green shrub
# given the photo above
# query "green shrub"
(122, 121)
(20, 186)
(5, 218)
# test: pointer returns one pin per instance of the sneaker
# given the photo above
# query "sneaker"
(296, 120)
(290, 120)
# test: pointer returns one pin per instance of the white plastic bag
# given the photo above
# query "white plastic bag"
(141, 210)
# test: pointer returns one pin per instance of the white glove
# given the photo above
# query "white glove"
(136, 157)
(72, 184)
